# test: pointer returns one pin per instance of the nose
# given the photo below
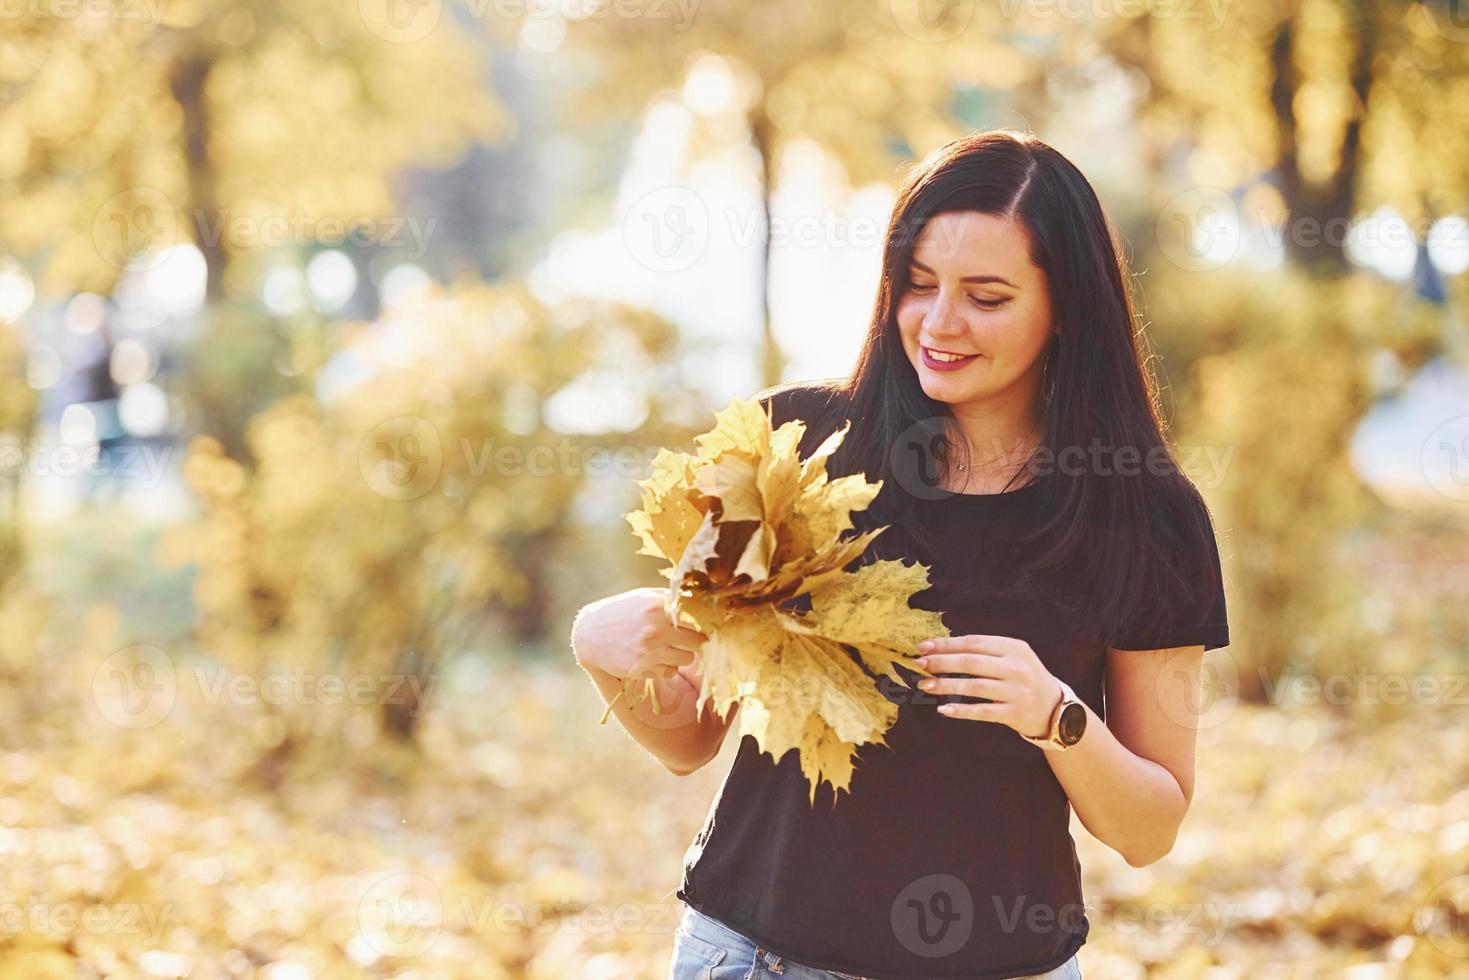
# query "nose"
(942, 318)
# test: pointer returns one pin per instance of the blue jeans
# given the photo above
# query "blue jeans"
(707, 949)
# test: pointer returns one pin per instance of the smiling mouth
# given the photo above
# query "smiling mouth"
(946, 356)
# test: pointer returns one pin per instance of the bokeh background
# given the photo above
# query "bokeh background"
(336, 334)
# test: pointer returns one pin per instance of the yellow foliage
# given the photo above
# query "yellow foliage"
(379, 530)
(305, 111)
(748, 526)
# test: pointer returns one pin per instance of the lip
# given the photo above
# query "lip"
(936, 365)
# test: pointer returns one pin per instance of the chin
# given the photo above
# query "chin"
(941, 392)
(940, 384)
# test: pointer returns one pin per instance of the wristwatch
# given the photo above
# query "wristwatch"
(1068, 723)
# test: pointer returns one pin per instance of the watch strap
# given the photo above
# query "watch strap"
(1051, 741)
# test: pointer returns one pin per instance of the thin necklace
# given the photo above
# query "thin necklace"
(964, 467)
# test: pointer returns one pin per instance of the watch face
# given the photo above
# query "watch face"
(1072, 724)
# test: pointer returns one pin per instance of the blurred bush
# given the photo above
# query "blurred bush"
(1279, 372)
(407, 514)
(216, 123)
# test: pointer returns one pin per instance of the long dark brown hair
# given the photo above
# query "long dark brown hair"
(1137, 541)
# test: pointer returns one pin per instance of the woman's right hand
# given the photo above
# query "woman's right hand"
(629, 635)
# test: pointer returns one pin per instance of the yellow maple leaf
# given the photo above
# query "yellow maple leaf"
(747, 525)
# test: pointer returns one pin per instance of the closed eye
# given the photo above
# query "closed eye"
(984, 304)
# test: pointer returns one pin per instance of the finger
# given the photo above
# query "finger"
(662, 663)
(965, 643)
(916, 667)
(660, 671)
(978, 664)
(670, 655)
(683, 638)
(975, 712)
(664, 654)
(975, 687)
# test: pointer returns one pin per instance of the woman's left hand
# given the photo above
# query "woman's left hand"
(1023, 693)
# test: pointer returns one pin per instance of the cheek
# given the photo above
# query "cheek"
(1018, 333)
(910, 312)
(910, 315)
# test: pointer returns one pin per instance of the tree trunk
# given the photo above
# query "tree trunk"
(526, 622)
(1318, 214)
(201, 212)
(22, 425)
(762, 134)
(413, 675)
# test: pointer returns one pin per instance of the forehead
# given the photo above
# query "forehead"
(973, 243)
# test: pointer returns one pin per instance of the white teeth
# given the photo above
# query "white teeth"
(941, 356)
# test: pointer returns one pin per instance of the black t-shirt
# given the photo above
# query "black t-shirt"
(951, 856)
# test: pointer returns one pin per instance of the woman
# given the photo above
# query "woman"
(1002, 398)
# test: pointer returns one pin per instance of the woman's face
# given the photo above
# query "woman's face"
(974, 291)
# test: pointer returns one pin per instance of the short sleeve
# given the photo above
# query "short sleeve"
(778, 401)
(1198, 616)
(810, 402)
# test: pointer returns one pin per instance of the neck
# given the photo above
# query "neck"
(1001, 429)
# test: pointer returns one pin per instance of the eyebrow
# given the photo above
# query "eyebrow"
(979, 279)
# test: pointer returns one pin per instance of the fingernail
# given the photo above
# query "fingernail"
(926, 645)
(921, 661)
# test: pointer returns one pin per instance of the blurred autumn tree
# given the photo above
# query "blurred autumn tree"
(234, 127)
(126, 129)
(125, 134)
(404, 516)
(119, 134)
(870, 81)
(1265, 403)
(1343, 104)
(1330, 109)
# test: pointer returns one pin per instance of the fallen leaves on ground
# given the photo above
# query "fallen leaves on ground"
(523, 841)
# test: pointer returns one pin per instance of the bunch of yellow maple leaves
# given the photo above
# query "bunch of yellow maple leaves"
(747, 526)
